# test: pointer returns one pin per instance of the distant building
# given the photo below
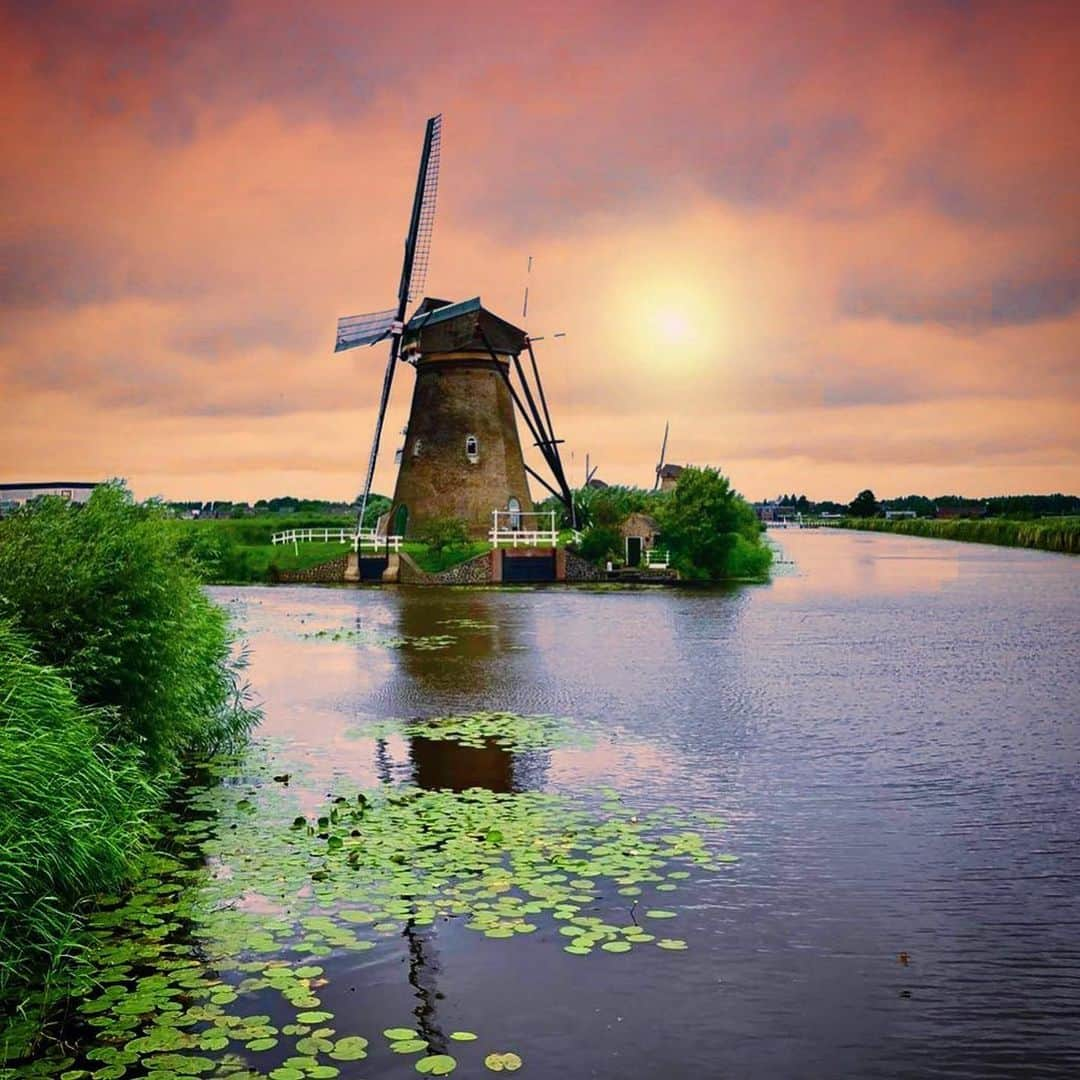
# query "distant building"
(640, 534)
(669, 476)
(13, 496)
(596, 484)
(965, 510)
(893, 515)
(771, 510)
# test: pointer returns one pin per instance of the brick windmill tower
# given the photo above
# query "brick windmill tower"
(462, 456)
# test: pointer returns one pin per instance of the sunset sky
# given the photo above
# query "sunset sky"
(835, 244)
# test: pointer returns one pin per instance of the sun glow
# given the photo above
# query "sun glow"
(673, 326)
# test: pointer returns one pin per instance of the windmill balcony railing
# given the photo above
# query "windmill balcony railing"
(656, 559)
(362, 540)
(521, 528)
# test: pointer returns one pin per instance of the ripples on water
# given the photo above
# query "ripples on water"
(891, 727)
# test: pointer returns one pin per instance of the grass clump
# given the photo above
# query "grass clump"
(114, 667)
(71, 811)
(434, 561)
(105, 593)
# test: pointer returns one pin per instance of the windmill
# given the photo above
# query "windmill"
(462, 457)
(355, 330)
(663, 453)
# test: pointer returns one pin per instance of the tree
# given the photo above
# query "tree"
(864, 505)
(711, 531)
(445, 532)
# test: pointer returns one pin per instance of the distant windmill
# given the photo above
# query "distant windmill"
(462, 456)
(663, 453)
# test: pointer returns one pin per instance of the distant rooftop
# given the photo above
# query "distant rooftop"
(66, 485)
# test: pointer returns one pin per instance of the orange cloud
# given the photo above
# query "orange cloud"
(834, 246)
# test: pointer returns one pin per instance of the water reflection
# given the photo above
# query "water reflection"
(441, 763)
(890, 729)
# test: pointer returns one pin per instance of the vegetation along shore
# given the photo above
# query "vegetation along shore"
(1047, 534)
(115, 669)
(709, 530)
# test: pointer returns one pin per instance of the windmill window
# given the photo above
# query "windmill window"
(416, 448)
(472, 448)
(514, 508)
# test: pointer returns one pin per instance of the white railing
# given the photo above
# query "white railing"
(307, 536)
(362, 540)
(370, 540)
(657, 560)
(521, 528)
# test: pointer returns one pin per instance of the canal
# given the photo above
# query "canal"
(828, 826)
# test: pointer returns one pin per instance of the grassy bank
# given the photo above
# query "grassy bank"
(115, 667)
(1047, 534)
(239, 551)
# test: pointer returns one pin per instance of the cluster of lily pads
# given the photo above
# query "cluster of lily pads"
(421, 643)
(510, 731)
(499, 860)
(256, 898)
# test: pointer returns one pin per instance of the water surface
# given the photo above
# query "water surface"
(883, 743)
(891, 729)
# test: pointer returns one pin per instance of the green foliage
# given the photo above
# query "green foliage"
(864, 505)
(1049, 534)
(106, 594)
(435, 561)
(607, 506)
(711, 532)
(444, 532)
(71, 811)
(600, 542)
(442, 543)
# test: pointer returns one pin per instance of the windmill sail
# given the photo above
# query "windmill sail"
(413, 275)
(355, 330)
(427, 191)
(663, 453)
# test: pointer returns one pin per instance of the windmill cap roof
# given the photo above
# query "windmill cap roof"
(439, 326)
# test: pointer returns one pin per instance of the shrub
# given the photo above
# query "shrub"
(601, 542)
(106, 593)
(710, 530)
(71, 809)
(445, 532)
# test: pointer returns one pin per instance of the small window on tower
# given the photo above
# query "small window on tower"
(416, 448)
(472, 448)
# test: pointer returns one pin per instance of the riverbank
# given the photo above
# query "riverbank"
(1046, 534)
(115, 669)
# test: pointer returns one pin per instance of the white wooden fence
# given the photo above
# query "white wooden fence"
(523, 528)
(362, 540)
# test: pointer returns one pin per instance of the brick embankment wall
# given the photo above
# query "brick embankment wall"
(579, 569)
(327, 573)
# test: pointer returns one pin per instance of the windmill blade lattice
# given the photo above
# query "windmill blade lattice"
(426, 222)
(354, 330)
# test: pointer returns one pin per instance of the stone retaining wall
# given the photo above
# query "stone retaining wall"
(579, 569)
(479, 570)
(475, 571)
(327, 573)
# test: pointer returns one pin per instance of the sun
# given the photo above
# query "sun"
(673, 326)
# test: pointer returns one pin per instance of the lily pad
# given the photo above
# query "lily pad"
(436, 1065)
(507, 1062)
